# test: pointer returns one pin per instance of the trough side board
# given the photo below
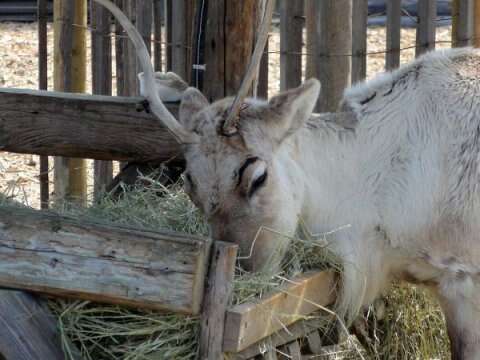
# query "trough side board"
(249, 323)
(87, 126)
(56, 255)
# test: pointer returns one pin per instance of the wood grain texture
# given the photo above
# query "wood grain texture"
(291, 43)
(28, 330)
(248, 323)
(392, 57)
(101, 82)
(476, 41)
(426, 26)
(217, 297)
(182, 25)
(158, 12)
(359, 40)
(333, 37)
(298, 330)
(76, 125)
(42, 15)
(463, 16)
(56, 255)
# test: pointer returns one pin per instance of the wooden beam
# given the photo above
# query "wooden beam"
(394, 14)
(426, 27)
(76, 125)
(291, 43)
(101, 82)
(248, 323)
(158, 12)
(359, 40)
(28, 330)
(60, 256)
(182, 25)
(217, 296)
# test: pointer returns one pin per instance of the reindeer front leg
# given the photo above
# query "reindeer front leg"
(460, 300)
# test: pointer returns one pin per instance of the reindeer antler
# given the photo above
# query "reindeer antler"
(231, 123)
(157, 107)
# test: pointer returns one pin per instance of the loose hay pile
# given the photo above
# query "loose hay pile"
(413, 327)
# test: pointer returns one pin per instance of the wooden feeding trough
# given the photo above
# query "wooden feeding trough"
(55, 255)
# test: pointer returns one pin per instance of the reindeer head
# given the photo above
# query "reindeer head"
(238, 170)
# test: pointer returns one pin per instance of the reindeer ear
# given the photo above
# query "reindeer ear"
(170, 86)
(290, 109)
(192, 102)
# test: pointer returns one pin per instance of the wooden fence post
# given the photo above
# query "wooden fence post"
(229, 24)
(291, 41)
(43, 85)
(101, 82)
(462, 22)
(182, 25)
(217, 297)
(359, 40)
(332, 60)
(426, 26)
(476, 40)
(392, 57)
(70, 21)
(158, 11)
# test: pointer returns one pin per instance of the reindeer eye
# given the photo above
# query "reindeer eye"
(257, 183)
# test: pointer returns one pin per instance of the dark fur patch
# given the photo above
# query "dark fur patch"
(367, 100)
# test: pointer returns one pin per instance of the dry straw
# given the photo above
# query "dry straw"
(412, 327)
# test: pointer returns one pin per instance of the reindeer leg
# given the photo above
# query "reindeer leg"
(460, 300)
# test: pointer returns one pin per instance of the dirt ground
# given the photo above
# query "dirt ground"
(18, 61)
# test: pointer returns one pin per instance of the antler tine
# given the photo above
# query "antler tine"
(157, 107)
(230, 125)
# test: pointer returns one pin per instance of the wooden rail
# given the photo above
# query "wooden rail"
(52, 254)
(86, 126)
(247, 324)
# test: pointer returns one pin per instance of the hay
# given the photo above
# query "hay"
(413, 327)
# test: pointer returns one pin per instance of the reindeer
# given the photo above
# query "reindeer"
(399, 164)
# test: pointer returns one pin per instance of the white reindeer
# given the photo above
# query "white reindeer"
(400, 165)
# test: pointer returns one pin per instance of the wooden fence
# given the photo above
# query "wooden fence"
(196, 277)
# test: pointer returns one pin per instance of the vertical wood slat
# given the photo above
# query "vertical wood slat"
(101, 82)
(463, 22)
(216, 300)
(426, 26)
(260, 86)
(181, 33)
(394, 8)
(158, 11)
(42, 14)
(70, 76)
(291, 41)
(476, 33)
(333, 39)
(311, 30)
(476, 40)
(359, 40)
(168, 23)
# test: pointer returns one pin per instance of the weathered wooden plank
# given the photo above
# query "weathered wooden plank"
(426, 26)
(333, 41)
(246, 324)
(168, 25)
(182, 25)
(392, 57)
(42, 14)
(291, 43)
(56, 255)
(287, 334)
(217, 297)
(28, 330)
(359, 40)
(101, 81)
(76, 125)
